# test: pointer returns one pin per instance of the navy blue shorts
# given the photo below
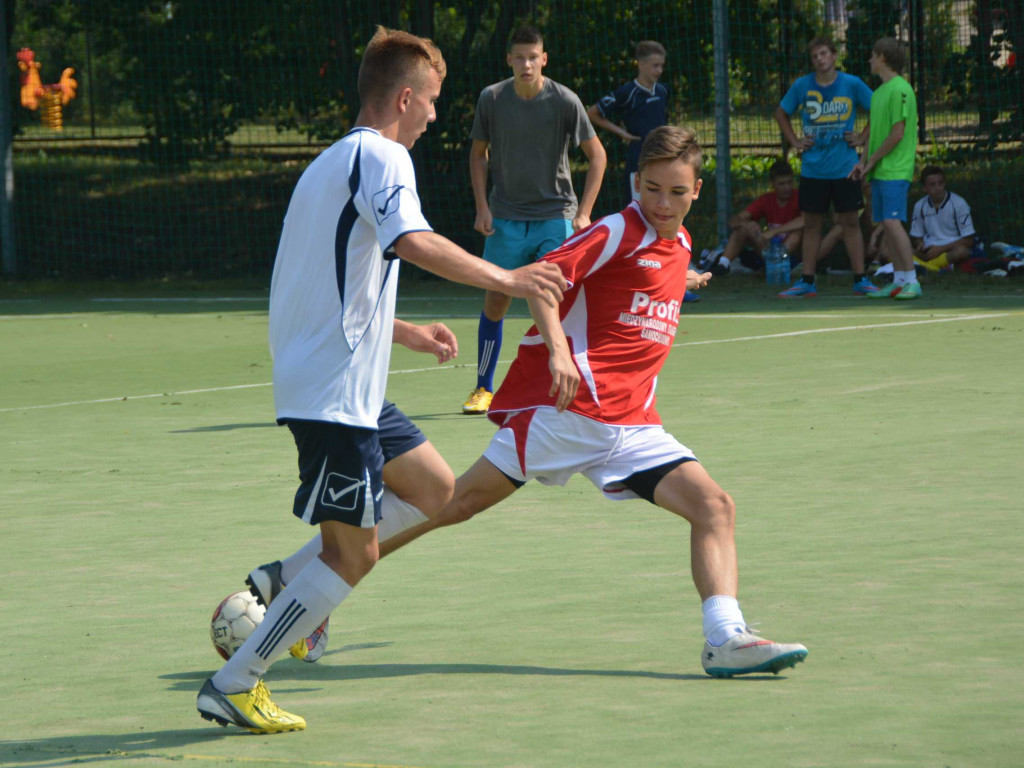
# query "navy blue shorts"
(341, 467)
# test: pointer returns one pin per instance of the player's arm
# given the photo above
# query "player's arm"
(478, 157)
(858, 139)
(864, 167)
(597, 161)
(565, 377)
(798, 143)
(441, 256)
(790, 226)
(435, 338)
(594, 113)
(737, 220)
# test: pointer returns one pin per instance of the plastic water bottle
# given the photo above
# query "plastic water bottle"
(776, 262)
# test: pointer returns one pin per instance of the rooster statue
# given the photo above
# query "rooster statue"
(53, 96)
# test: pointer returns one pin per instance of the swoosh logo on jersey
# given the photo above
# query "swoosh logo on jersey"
(385, 202)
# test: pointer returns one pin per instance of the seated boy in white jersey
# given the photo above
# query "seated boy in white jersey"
(579, 397)
(353, 216)
(941, 227)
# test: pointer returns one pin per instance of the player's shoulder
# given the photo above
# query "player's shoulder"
(560, 91)
(374, 147)
(958, 200)
(498, 89)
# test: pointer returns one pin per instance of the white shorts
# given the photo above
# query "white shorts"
(543, 444)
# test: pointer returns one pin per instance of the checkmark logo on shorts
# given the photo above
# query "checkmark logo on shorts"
(341, 491)
(385, 202)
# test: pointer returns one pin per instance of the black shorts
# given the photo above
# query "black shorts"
(341, 467)
(816, 195)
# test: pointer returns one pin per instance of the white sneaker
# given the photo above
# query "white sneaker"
(747, 653)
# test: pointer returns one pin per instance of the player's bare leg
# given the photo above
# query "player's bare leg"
(731, 647)
(480, 487)
(812, 242)
(689, 492)
(421, 477)
(853, 239)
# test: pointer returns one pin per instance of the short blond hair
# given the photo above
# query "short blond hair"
(671, 142)
(395, 59)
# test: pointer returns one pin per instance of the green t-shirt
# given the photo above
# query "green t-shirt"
(893, 102)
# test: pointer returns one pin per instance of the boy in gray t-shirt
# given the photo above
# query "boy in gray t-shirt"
(522, 132)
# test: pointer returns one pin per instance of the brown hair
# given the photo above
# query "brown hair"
(779, 169)
(931, 170)
(647, 48)
(671, 142)
(395, 59)
(526, 35)
(819, 41)
(890, 48)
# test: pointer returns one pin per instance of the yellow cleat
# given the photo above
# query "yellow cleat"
(252, 710)
(479, 401)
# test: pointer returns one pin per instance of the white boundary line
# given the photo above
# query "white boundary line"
(808, 332)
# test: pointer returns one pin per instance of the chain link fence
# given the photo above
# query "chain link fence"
(189, 123)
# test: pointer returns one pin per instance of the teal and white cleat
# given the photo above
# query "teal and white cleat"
(747, 654)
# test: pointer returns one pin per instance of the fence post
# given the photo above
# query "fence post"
(10, 258)
(723, 177)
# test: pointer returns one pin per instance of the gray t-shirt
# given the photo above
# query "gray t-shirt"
(529, 149)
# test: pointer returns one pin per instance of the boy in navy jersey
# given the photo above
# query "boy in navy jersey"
(641, 105)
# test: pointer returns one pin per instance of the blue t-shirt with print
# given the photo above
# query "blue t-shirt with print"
(828, 112)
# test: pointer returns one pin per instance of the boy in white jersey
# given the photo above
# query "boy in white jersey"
(354, 213)
(579, 397)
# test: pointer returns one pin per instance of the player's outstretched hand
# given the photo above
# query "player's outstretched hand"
(695, 281)
(434, 338)
(565, 379)
(538, 280)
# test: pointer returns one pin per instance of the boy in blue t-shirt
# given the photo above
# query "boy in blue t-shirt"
(829, 101)
(641, 105)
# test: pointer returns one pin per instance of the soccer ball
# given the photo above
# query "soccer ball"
(235, 619)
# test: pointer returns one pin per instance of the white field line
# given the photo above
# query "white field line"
(762, 337)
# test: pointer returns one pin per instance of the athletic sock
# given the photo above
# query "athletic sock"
(857, 277)
(899, 277)
(909, 276)
(488, 347)
(396, 516)
(809, 279)
(723, 619)
(291, 565)
(298, 610)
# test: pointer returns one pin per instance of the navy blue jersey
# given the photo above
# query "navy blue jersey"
(639, 109)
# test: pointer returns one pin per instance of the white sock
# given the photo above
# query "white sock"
(910, 276)
(294, 614)
(722, 619)
(899, 277)
(291, 565)
(395, 516)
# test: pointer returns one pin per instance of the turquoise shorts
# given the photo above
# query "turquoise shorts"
(889, 199)
(515, 244)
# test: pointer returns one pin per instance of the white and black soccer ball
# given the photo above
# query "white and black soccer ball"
(235, 619)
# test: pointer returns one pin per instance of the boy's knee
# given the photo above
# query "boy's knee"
(434, 493)
(719, 510)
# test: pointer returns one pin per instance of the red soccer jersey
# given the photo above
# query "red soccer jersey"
(619, 315)
(767, 207)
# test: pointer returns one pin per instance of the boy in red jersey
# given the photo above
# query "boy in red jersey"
(579, 397)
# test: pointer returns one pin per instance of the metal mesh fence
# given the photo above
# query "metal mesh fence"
(190, 122)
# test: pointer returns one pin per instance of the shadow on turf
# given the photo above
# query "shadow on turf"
(224, 427)
(104, 748)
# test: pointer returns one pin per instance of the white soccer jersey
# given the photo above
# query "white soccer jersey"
(332, 294)
(942, 224)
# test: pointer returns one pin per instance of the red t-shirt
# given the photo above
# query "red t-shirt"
(767, 207)
(620, 317)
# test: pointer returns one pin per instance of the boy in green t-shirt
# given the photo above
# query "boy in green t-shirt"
(889, 163)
